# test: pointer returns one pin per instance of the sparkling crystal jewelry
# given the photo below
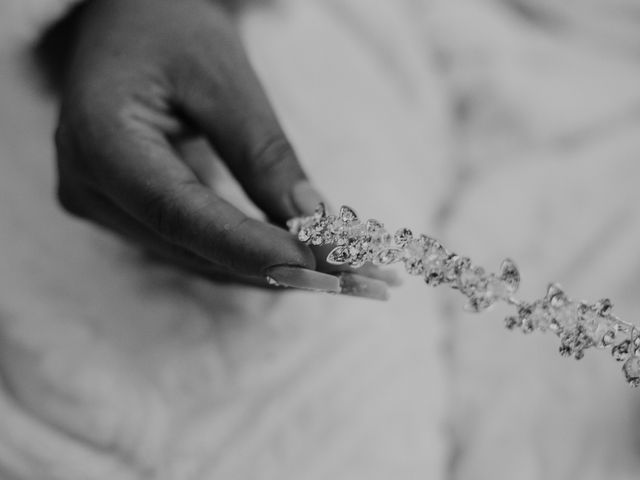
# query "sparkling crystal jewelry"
(579, 325)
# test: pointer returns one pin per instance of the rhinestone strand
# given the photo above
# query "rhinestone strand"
(579, 325)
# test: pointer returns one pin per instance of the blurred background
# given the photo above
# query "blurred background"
(503, 127)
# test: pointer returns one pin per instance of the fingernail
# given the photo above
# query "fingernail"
(390, 277)
(305, 279)
(361, 286)
(304, 198)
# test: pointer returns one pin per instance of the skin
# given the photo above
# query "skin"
(143, 75)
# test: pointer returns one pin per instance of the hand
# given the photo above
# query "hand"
(146, 74)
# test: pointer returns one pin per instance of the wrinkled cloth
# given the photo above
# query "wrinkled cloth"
(505, 128)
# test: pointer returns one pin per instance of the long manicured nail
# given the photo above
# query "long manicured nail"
(304, 198)
(390, 277)
(361, 286)
(298, 277)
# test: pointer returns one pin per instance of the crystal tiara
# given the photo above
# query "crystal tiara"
(579, 325)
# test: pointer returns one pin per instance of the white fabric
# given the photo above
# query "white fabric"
(464, 119)
(22, 21)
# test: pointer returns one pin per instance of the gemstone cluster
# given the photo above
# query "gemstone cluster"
(579, 325)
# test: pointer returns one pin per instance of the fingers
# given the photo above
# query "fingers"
(154, 199)
(126, 103)
(89, 204)
(105, 213)
(102, 211)
(141, 175)
(242, 126)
